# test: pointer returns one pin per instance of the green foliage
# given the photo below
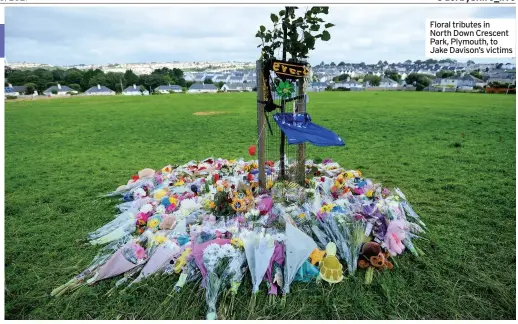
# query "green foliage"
(73, 76)
(30, 88)
(374, 80)
(444, 74)
(11, 97)
(301, 32)
(341, 77)
(421, 79)
(131, 78)
(54, 91)
(477, 74)
(393, 75)
(75, 86)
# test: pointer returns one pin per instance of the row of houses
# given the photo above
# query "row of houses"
(230, 77)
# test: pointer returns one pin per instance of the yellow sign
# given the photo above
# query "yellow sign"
(286, 70)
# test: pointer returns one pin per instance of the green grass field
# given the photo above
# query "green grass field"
(453, 155)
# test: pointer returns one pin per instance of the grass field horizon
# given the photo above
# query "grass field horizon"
(452, 154)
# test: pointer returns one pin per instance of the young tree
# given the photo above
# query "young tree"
(301, 32)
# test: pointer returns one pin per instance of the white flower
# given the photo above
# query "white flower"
(146, 208)
(139, 193)
(160, 209)
(228, 250)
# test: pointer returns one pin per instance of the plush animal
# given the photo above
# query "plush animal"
(371, 255)
(330, 267)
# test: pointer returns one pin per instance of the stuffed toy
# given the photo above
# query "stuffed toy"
(371, 255)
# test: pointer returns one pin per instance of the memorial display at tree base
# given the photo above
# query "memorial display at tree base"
(210, 220)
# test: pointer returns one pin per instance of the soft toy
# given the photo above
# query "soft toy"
(316, 256)
(168, 222)
(371, 254)
(182, 260)
(395, 235)
(330, 267)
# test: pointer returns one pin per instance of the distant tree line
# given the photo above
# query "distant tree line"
(42, 79)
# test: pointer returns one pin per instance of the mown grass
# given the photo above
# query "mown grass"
(453, 155)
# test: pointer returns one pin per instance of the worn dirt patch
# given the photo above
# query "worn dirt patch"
(209, 113)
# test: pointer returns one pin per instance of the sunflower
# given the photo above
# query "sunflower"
(285, 89)
(238, 205)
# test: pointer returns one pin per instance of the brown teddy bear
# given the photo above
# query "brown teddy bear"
(371, 254)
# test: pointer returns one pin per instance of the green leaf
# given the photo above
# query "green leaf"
(326, 36)
(325, 10)
(329, 25)
(315, 27)
(282, 13)
(274, 18)
(262, 28)
(309, 41)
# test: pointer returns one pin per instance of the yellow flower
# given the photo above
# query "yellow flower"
(359, 173)
(173, 200)
(369, 194)
(349, 175)
(237, 242)
(159, 194)
(302, 215)
(212, 205)
(159, 239)
(220, 188)
(153, 223)
(179, 183)
(269, 184)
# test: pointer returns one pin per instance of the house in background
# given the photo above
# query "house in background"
(60, 90)
(464, 81)
(16, 91)
(237, 87)
(317, 87)
(202, 88)
(99, 90)
(503, 77)
(168, 88)
(134, 90)
(199, 77)
(388, 83)
(236, 79)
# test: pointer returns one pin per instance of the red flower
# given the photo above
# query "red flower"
(216, 177)
(134, 177)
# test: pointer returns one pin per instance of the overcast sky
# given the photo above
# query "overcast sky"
(102, 34)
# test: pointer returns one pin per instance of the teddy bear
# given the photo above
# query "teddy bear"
(371, 254)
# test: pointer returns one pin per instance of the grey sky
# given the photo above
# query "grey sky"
(104, 34)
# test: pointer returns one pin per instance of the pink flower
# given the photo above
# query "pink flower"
(143, 216)
(140, 253)
(358, 191)
(170, 208)
(395, 234)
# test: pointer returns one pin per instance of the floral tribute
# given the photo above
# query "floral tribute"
(208, 221)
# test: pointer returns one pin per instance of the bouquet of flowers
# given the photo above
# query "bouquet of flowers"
(217, 259)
